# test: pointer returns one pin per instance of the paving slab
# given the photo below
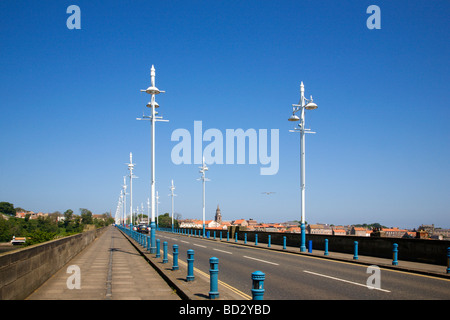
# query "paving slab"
(110, 268)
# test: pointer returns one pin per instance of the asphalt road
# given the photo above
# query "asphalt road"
(300, 277)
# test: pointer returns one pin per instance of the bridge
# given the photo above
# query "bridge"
(117, 265)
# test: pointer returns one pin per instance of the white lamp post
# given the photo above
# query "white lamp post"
(172, 187)
(132, 176)
(303, 105)
(152, 90)
(124, 187)
(203, 169)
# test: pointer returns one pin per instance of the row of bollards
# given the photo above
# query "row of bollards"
(326, 252)
(258, 277)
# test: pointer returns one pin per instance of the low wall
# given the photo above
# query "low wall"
(24, 270)
(416, 250)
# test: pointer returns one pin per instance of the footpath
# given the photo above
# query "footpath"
(110, 268)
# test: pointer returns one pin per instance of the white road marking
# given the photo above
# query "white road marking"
(199, 245)
(223, 251)
(347, 281)
(276, 264)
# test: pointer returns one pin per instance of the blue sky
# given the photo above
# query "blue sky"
(69, 101)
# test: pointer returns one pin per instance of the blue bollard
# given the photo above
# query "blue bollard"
(214, 278)
(214, 235)
(448, 260)
(256, 239)
(165, 260)
(268, 241)
(284, 243)
(326, 247)
(310, 246)
(258, 278)
(220, 236)
(158, 246)
(148, 243)
(228, 236)
(235, 236)
(190, 268)
(245, 238)
(175, 257)
(355, 255)
(395, 255)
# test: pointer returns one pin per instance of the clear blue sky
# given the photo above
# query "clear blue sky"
(69, 101)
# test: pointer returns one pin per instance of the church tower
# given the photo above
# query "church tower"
(218, 217)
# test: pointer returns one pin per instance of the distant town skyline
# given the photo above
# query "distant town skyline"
(71, 96)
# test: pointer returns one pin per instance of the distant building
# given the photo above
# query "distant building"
(318, 229)
(394, 232)
(359, 232)
(240, 222)
(339, 232)
(218, 216)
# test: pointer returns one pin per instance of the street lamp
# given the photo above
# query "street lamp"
(303, 105)
(172, 187)
(132, 176)
(203, 169)
(124, 187)
(152, 90)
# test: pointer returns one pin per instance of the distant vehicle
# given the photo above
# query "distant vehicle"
(142, 228)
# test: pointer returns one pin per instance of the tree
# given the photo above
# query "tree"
(165, 221)
(86, 216)
(7, 208)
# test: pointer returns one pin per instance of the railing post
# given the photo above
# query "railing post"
(326, 247)
(165, 260)
(395, 255)
(284, 243)
(175, 257)
(258, 278)
(355, 255)
(214, 277)
(190, 269)
(148, 243)
(158, 246)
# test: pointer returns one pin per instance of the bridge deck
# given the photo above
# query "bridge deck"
(110, 268)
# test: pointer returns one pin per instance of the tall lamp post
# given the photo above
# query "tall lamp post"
(203, 169)
(132, 176)
(152, 90)
(124, 187)
(172, 187)
(303, 105)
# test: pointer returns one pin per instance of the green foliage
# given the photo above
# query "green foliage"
(7, 208)
(48, 228)
(165, 221)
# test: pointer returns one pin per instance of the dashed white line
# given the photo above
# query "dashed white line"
(276, 264)
(347, 281)
(223, 251)
(199, 245)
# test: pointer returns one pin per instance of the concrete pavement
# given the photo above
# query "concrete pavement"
(110, 268)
